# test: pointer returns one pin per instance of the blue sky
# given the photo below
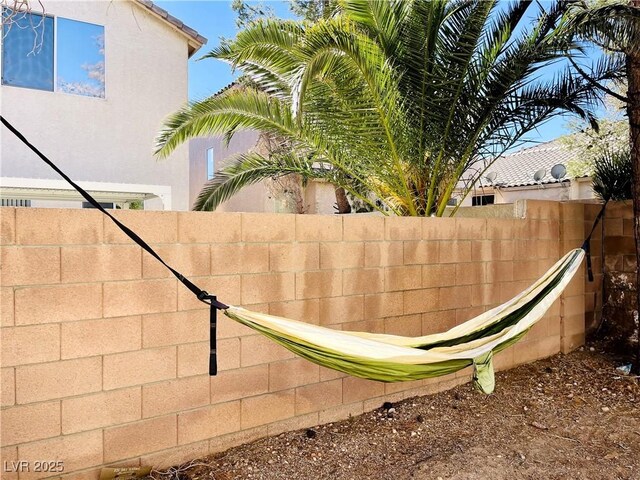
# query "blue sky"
(212, 19)
(215, 18)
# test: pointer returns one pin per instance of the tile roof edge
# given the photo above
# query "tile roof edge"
(173, 21)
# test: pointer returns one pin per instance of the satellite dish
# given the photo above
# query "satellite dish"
(558, 171)
(491, 176)
(539, 175)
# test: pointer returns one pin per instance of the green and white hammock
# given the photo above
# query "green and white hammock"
(387, 358)
(393, 358)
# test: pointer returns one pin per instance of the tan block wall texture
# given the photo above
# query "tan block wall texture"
(105, 356)
(614, 269)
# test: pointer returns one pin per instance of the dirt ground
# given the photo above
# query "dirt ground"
(567, 417)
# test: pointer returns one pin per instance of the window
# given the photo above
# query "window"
(106, 205)
(27, 51)
(479, 200)
(32, 42)
(210, 164)
(80, 58)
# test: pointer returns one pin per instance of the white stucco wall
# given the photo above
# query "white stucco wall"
(320, 198)
(110, 139)
(542, 192)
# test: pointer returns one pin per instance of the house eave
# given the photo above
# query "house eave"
(58, 189)
(194, 39)
(535, 186)
(524, 186)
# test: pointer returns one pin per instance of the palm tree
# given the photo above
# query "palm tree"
(392, 101)
(612, 174)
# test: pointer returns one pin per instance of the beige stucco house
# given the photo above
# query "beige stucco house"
(285, 195)
(538, 173)
(91, 90)
(525, 174)
(208, 155)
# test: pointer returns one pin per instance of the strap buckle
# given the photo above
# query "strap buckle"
(205, 297)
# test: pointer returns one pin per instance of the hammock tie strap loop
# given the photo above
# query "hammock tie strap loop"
(201, 294)
(214, 306)
(586, 246)
(213, 327)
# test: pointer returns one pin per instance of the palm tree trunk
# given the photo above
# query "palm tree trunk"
(342, 201)
(633, 110)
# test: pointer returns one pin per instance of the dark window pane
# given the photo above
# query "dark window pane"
(102, 204)
(27, 51)
(210, 164)
(479, 200)
(80, 58)
(14, 202)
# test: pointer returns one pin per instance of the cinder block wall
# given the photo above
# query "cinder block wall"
(612, 293)
(104, 355)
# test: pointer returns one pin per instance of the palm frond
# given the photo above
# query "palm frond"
(249, 168)
(614, 26)
(381, 20)
(399, 98)
(224, 114)
(612, 176)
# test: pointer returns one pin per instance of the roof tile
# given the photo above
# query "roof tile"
(518, 168)
(176, 22)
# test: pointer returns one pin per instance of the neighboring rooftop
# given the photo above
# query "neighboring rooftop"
(229, 86)
(195, 39)
(517, 169)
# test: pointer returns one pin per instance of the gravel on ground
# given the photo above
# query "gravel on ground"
(567, 417)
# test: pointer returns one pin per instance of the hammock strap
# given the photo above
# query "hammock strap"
(586, 246)
(213, 324)
(202, 295)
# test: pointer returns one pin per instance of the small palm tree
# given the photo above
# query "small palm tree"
(390, 100)
(612, 176)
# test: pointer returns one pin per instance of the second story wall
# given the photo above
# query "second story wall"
(107, 139)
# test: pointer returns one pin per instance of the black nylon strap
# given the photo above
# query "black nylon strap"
(213, 356)
(202, 295)
(586, 246)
